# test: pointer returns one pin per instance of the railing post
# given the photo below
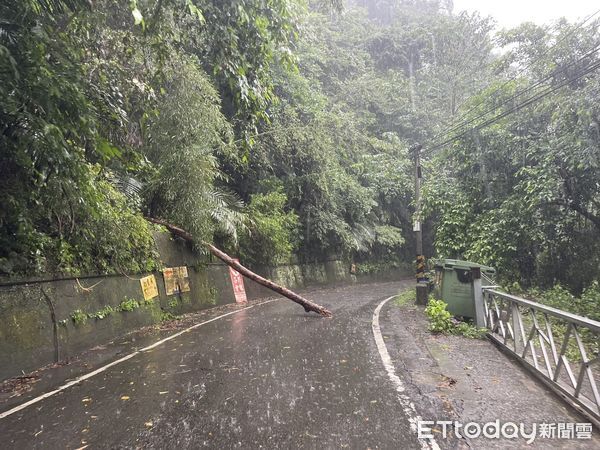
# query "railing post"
(478, 296)
(517, 327)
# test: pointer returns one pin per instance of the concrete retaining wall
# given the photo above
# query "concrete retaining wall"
(36, 316)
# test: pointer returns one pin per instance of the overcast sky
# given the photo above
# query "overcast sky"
(512, 12)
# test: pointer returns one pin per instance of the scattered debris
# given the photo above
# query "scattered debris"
(447, 382)
(19, 385)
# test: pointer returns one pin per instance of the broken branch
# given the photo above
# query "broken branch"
(307, 304)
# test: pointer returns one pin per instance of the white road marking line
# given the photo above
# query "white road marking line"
(407, 405)
(120, 360)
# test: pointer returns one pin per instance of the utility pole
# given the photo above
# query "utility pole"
(422, 287)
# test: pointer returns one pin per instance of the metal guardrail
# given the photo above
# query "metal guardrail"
(559, 348)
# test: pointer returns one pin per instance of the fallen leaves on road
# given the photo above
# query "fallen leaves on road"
(19, 385)
(447, 382)
(125, 397)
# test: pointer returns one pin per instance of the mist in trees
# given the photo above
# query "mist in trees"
(280, 129)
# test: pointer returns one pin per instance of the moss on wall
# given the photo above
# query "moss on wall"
(26, 326)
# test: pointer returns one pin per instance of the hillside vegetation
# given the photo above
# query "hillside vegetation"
(281, 129)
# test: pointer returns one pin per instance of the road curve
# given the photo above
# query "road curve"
(267, 377)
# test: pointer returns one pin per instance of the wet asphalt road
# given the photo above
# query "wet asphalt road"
(267, 377)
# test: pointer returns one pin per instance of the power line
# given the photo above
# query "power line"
(518, 94)
(520, 106)
(464, 115)
(518, 73)
(529, 101)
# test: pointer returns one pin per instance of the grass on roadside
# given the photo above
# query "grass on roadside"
(407, 297)
(440, 319)
(442, 322)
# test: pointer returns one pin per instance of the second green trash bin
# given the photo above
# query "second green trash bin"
(453, 284)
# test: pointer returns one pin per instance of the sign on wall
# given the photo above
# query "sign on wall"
(176, 280)
(149, 287)
(237, 281)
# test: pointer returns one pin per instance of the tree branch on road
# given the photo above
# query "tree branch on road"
(307, 304)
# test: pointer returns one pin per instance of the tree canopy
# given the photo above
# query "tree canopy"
(280, 129)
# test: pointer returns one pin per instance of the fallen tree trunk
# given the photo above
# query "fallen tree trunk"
(307, 304)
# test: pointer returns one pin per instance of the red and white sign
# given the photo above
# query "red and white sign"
(237, 281)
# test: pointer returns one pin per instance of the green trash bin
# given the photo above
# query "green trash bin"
(454, 284)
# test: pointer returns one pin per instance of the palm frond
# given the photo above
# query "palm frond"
(8, 32)
(127, 185)
(226, 212)
(363, 236)
(52, 7)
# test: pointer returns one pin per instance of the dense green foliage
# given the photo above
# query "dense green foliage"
(270, 237)
(339, 134)
(522, 194)
(58, 212)
(586, 304)
(281, 129)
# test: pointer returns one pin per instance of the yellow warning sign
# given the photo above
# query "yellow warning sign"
(149, 287)
(176, 280)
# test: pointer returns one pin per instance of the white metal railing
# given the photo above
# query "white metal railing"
(560, 348)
